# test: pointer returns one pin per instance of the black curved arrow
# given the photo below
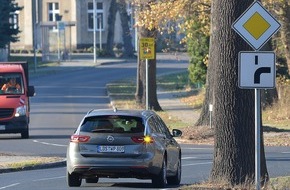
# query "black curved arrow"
(259, 72)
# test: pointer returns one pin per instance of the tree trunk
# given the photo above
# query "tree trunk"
(140, 81)
(268, 96)
(285, 31)
(111, 28)
(204, 117)
(127, 38)
(233, 108)
(141, 77)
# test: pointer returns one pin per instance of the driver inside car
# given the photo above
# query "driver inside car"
(11, 85)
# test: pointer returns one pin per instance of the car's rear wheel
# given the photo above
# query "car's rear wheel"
(92, 180)
(175, 180)
(160, 181)
(74, 180)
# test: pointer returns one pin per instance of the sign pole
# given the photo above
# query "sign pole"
(94, 33)
(58, 45)
(147, 82)
(258, 138)
(147, 51)
(256, 26)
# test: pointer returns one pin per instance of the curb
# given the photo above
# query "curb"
(35, 167)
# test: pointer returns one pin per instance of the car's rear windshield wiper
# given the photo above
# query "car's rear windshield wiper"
(102, 130)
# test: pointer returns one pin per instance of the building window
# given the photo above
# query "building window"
(99, 16)
(53, 12)
(14, 20)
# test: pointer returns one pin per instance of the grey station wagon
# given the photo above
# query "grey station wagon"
(123, 144)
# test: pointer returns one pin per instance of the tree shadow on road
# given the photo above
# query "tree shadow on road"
(274, 129)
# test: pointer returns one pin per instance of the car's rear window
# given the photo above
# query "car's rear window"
(112, 124)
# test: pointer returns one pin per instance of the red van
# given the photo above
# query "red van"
(14, 98)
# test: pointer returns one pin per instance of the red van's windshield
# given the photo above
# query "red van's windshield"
(11, 83)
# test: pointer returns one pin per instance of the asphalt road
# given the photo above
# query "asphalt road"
(196, 166)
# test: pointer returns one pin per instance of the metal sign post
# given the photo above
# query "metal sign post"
(147, 86)
(257, 69)
(258, 138)
(147, 51)
(60, 28)
(94, 33)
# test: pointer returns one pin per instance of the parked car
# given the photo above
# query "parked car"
(123, 144)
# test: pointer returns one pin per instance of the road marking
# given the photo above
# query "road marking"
(285, 152)
(187, 158)
(204, 163)
(50, 144)
(8, 186)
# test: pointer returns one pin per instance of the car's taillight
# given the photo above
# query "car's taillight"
(143, 139)
(79, 138)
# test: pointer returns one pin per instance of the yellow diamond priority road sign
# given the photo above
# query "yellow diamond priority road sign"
(256, 25)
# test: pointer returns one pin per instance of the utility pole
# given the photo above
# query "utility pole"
(100, 30)
(95, 27)
(34, 38)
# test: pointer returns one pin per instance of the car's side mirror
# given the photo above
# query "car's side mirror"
(31, 91)
(176, 133)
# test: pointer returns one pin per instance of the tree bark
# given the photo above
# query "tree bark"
(204, 116)
(111, 28)
(285, 31)
(127, 38)
(233, 108)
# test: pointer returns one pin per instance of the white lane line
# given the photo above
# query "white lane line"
(204, 163)
(52, 178)
(50, 144)
(188, 158)
(8, 186)
(285, 152)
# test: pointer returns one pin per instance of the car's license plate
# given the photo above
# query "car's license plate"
(2, 127)
(111, 149)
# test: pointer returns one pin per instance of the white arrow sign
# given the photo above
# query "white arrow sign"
(257, 69)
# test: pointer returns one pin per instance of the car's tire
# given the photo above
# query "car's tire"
(92, 180)
(25, 134)
(175, 180)
(73, 180)
(160, 180)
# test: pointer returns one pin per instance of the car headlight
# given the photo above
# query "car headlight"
(20, 111)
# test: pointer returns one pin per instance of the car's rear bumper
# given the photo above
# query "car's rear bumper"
(140, 172)
(143, 167)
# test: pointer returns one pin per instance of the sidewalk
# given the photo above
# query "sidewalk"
(169, 102)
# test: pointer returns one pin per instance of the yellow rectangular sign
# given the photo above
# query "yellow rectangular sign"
(147, 48)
